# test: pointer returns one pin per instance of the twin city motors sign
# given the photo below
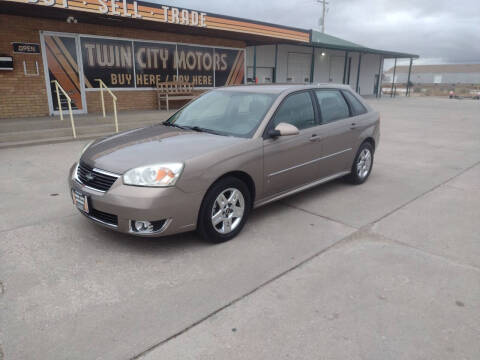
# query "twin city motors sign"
(79, 61)
(142, 64)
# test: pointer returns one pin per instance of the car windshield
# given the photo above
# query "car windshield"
(223, 112)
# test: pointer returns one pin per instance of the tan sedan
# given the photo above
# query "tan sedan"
(230, 150)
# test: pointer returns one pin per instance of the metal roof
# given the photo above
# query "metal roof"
(321, 40)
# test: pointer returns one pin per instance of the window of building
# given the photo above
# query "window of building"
(297, 110)
(332, 105)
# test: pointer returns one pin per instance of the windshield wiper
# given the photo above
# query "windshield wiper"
(166, 123)
(201, 129)
(194, 128)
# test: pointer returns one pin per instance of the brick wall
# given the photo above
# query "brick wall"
(22, 96)
(127, 100)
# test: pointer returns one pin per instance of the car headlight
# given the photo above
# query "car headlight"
(161, 175)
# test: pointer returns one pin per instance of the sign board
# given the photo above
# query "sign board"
(26, 48)
(142, 64)
(149, 11)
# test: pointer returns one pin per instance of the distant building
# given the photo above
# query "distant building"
(436, 74)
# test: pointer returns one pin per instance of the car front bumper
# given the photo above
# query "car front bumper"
(178, 209)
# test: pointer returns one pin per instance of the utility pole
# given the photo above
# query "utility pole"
(324, 13)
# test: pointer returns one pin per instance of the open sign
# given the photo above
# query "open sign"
(26, 48)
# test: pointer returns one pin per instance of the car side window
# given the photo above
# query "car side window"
(332, 105)
(297, 110)
(355, 104)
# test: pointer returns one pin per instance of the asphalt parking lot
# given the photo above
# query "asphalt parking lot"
(386, 270)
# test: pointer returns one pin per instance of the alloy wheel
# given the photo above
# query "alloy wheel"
(228, 210)
(364, 163)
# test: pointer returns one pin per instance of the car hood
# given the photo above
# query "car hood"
(152, 145)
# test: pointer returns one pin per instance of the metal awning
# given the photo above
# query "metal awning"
(325, 41)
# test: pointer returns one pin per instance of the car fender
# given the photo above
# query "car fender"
(201, 172)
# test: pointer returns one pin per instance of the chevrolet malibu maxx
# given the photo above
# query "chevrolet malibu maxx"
(228, 151)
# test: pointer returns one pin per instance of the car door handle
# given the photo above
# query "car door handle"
(353, 126)
(315, 137)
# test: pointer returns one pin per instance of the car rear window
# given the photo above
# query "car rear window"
(332, 105)
(355, 105)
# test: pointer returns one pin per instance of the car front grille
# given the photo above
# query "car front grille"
(107, 218)
(94, 178)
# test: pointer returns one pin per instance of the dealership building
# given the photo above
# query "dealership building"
(132, 46)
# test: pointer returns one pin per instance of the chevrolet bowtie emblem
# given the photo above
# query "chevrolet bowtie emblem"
(90, 176)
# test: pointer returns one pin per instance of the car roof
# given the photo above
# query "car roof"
(281, 88)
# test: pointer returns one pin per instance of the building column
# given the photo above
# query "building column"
(255, 64)
(349, 70)
(358, 72)
(345, 68)
(275, 69)
(312, 66)
(408, 81)
(394, 73)
(380, 73)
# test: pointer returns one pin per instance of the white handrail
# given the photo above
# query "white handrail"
(69, 100)
(114, 98)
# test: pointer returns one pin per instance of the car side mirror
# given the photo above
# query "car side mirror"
(283, 129)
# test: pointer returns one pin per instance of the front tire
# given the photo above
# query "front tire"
(362, 166)
(224, 210)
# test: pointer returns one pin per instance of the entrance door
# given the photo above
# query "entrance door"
(61, 59)
(336, 69)
(298, 67)
(264, 74)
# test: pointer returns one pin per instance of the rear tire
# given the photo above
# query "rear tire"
(224, 210)
(362, 165)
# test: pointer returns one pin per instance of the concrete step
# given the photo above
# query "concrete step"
(13, 144)
(66, 132)
(30, 131)
(53, 122)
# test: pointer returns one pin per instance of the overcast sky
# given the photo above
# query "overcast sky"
(440, 31)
